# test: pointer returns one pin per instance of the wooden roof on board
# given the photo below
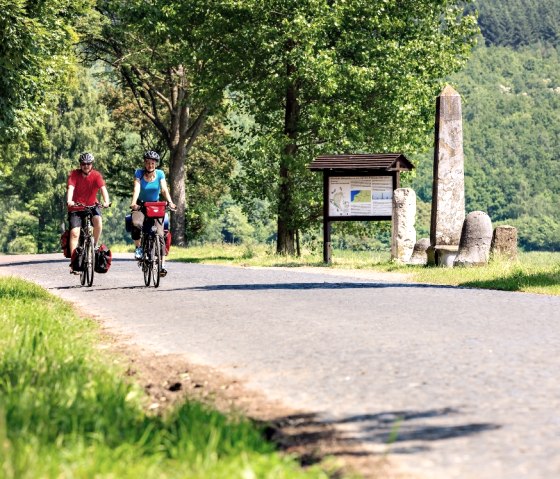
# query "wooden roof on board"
(362, 161)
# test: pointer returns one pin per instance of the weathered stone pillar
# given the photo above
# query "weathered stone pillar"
(476, 237)
(419, 253)
(504, 242)
(448, 191)
(403, 233)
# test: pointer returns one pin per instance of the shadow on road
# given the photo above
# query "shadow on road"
(325, 285)
(7, 263)
(93, 289)
(38, 261)
(402, 432)
(271, 286)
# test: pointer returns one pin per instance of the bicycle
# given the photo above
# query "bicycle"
(152, 242)
(85, 243)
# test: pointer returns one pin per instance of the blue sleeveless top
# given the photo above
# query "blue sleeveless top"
(149, 190)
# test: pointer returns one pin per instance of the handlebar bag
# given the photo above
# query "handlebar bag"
(155, 209)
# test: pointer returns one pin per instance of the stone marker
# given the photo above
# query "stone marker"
(419, 253)
(448, 190)
(504, 242)
(476, 237)
(403, 233)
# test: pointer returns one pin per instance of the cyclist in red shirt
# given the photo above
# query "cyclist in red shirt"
(83, 186)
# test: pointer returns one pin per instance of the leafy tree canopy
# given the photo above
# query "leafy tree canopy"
(339, 77)
(35, 55)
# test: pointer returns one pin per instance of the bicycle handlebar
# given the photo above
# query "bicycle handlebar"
(141, 205)
(89, 207)
(92, 206)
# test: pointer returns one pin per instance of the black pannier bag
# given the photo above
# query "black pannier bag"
(77, 260)
(103, 258)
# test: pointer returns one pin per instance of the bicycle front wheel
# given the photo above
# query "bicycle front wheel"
(156, 260)
(146, 264)
(90, 262)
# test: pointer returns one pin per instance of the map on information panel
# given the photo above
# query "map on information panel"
(360, 196)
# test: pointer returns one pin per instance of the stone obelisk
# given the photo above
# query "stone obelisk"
(448, 191)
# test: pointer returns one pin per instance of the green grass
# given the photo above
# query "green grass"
(531, 273)
(534, 272)
(66, 412)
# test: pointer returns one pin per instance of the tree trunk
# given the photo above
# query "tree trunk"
(286, 230)
(285, 233)
(41, 235)
(177, 190)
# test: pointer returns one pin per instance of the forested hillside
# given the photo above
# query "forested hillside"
(517, 23)
(511, 120)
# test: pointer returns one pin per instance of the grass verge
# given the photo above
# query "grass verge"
(66, 412)
(534, 272)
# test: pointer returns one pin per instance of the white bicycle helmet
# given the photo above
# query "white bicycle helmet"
(151, 155)
(86, 158)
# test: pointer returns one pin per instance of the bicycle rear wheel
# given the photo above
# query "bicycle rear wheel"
(156, 260)
(82, 262)
(83, 275)
(146, 265)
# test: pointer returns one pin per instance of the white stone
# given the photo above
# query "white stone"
(403, 233)
(476, 238)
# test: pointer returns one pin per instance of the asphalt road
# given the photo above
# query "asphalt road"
(468, 379)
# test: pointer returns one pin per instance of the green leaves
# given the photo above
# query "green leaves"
(37, 41)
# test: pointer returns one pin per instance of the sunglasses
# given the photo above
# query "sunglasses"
(86, 164)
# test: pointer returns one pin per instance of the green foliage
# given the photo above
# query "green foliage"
(40, 163)
(18, 231)
(65, 411)
(517, 23)
(232, 225)
(35, 57)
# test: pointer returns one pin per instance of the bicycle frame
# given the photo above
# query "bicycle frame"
(152, 258)
(152, 244)
(85, 242)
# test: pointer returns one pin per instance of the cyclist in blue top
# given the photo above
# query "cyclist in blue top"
(148, 183)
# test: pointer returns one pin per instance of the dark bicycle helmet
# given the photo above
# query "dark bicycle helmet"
(151, 155)
(86, 158)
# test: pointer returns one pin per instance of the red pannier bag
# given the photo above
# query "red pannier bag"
(155, 209)
(167, 238)
(103, 259)
(65, 243)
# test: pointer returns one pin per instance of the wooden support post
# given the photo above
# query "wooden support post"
(327, 250)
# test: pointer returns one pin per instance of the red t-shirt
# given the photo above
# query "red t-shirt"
(85, 187)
